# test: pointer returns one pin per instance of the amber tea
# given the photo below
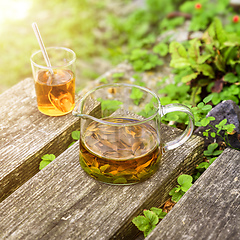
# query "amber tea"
(120, 139)
(55, 92)
(120, 154)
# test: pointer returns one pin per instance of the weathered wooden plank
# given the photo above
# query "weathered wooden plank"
(62, 202)
(211, 207)
(26, 135)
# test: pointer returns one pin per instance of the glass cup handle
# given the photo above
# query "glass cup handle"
(187, 132)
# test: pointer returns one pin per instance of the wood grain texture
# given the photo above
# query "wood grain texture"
(62, 202)
(26, 135)
(211, 207)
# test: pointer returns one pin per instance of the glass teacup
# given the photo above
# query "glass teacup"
(120, 138)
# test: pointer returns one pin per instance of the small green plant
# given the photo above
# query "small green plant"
(161, 49)
(230, 92)
(200, 112)
(203, 12)
(143, 60)
(149, 221)
(211, 150)
(46, 159)
(136, 95)
(211, 155)
(103, 80)
(205, 165)
(75, 136)
(168, 24)
(109, 106)
(149, 109)
(185, 182)
(222, 130)
(209, 63)
(116, 77)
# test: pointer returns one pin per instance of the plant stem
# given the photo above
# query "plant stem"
(224, 139)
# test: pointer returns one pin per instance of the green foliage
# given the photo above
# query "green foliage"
(204, 165)
(109, 106)
(149, 109)
(228, 128)
(142, 60)
(209, 62)
(136, 95)
(140, 27)
(46, 159)
(211, 155)
(211, 150)
(168, 24)
(75, 136)
(106, 32)
(185, 182)
(203, 16)
(200, 112)
(231, 92)
(222, 130)
(149, 221)
(61, 19)
(176, 92)
(179, 93)
(117, 76)
(161, 49)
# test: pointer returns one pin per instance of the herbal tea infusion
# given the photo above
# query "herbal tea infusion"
(120, 154)
(55, 93)
(54, 81)
(120, 138)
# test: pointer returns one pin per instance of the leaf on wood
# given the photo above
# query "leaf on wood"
(149, 230)
(48, 157)
(204, 165)
(76, 135)
(177, 196)
(43, 164)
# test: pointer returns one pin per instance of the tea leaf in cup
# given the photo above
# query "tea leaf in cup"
(104, 167)
(121, 180)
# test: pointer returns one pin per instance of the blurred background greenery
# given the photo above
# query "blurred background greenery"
(77, 24)
(100, 32)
